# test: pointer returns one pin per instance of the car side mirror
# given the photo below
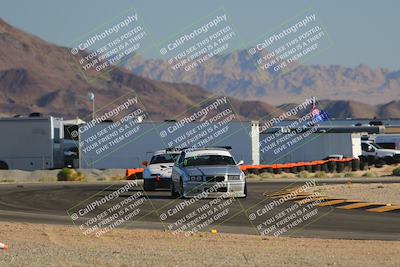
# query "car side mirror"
(240, 162)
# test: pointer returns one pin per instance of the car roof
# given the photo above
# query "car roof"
(198, 152)
(163, 151)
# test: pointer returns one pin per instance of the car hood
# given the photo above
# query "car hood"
(212, 170)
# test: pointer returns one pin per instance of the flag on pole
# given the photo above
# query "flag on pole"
(318, 115)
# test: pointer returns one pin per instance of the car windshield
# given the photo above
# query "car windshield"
(376, 146)
(164, 158)
(208, 160)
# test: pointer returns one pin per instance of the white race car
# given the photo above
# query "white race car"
(210, 171)
(157, 173)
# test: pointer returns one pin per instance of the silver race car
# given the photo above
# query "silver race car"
(210, 172)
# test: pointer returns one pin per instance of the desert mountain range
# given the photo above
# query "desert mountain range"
(38, 76)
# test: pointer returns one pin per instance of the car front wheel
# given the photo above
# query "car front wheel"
(174, 194)
(181, 190)
(245, 190)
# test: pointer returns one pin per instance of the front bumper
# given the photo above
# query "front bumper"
(162, 182)
(212, 190)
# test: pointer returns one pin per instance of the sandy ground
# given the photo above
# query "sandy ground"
(374, 192)
(92, 175)
(50, 245)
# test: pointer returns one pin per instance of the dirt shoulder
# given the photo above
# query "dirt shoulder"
(52, 245)
(373, 192)
(91, 175)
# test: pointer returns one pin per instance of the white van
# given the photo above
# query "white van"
(370, 149)
(388, 141)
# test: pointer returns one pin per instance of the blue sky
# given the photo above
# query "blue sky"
(362, 32)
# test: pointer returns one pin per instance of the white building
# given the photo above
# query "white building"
(126, 145)
(314, 143)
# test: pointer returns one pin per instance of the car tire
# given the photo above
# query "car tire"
(372, 160)
(181, 189)
(380, 163)
(174, 194)
(388, 160)
(245, 190)
(148, 185)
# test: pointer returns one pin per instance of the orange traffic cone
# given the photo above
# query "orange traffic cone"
(3, 246)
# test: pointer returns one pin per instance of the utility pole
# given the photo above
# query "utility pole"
(91, 98)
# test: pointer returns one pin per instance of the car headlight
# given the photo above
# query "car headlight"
(234, 177)
(196, 178)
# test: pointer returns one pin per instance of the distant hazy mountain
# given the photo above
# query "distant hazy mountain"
(235, 74)
(37, 76)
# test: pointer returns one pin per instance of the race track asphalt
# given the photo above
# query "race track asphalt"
(54, 203)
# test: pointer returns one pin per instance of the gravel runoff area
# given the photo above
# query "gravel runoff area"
(54, 245)
(373, 192)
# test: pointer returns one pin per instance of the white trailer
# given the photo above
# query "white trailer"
(306, 146)
(31, 143)
(125, 145)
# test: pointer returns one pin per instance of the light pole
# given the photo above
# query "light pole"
(91, 98)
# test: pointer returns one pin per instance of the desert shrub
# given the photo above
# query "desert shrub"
(267, 175)
(251, 176)
(396, 172)
(320, 175)
(304, 174)
(254, 171)
(286, 176)
(67, 174)
(369, 174)
(7, 181)
(350, 175)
